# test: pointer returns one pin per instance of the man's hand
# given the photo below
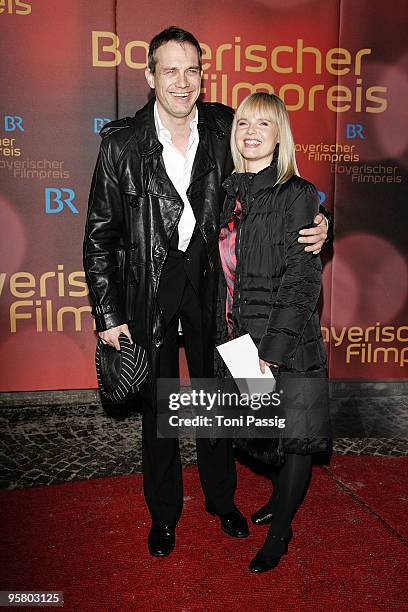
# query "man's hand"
(315, 236)
(111, 336)
(263, 363)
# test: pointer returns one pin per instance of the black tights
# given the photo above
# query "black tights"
(290, 483)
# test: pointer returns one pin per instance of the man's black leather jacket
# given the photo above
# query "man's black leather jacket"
(133, 211)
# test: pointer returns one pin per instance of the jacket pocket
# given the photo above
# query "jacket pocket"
(121, 261)
(135, 272)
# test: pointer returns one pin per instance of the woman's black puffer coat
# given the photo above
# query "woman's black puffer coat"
(276, 290)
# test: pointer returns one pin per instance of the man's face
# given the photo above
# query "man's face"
(177, 79)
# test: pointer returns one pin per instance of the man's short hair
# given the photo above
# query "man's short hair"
(169, 34)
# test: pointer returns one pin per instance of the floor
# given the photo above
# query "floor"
(55, 444)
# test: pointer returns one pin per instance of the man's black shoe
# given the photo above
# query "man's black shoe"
(161, 540)
(232, 523)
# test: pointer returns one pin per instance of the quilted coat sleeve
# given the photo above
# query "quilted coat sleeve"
(300, 285)
(102, 242)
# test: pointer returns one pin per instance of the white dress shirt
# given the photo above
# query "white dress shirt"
(178, 168)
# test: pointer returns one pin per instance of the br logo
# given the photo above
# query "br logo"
(99, 122)
(56, 199)
(354, 130)
(322, 196)
(12, 123)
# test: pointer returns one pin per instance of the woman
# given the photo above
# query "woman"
(269, 289)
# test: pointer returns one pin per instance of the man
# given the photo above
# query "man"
(155, 199)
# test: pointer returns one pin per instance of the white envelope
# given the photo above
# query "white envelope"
(241, 358)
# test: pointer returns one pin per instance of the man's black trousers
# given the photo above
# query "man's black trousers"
(162, 473)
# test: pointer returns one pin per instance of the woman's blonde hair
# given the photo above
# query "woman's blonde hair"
(268, 106)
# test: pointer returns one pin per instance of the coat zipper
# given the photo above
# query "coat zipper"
(241, 227)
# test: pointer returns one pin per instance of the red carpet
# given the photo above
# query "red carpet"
(379, 482)
(88, 540)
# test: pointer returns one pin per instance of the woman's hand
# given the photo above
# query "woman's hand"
(263, 363)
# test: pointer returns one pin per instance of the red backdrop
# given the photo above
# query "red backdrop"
(341, 67)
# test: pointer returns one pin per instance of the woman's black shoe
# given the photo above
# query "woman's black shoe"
(270, 554)
(263, 516)
(259, 564)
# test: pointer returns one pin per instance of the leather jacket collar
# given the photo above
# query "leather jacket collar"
(147, 139)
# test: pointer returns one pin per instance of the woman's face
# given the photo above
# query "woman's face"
(256, 138)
